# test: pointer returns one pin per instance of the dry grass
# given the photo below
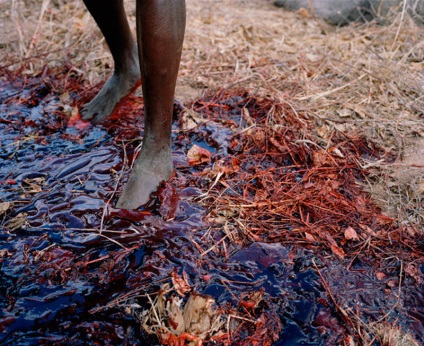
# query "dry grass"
(366, 79)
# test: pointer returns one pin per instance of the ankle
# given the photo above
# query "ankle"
(156, 148)
(128, 64)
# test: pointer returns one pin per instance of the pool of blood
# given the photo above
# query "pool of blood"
(75, 253)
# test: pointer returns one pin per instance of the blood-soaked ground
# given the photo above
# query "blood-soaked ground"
(261, 215)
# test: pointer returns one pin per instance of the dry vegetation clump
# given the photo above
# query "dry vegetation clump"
(302, 189)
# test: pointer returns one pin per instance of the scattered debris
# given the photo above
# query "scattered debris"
(198, 155)
(176, 323)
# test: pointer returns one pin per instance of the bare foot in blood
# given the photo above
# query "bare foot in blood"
(116, 89)
(151, 168)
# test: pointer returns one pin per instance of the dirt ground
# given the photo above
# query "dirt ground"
(355, 91)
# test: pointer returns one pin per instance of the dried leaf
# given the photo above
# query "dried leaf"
(345, 113)
(191, 119)
(17, 222)
(161, 300)
(175, 315)
(368, 230)
(362, 112)
(330, 239)
(33, 185)
(65, 97)
(199, 318)
(181, 285)
(207, 277)
(198, 155)
(4, 254)
(309, 237)
(338, 251)
(4, 207)
(251, 300)
(191, 325)
(359, 110)
(337, 152)
(324, 132)
(225, 167)
(350, 234)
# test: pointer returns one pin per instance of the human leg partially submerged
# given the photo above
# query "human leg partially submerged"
(160, 36)
(111, 18)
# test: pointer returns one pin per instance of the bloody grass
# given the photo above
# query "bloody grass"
(280, 183)
(265, 177)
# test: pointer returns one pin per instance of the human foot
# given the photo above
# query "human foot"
(116, 89)
(150, 169)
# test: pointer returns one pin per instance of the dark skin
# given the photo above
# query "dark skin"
(160, 36)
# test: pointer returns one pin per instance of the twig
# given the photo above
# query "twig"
(242, 318)
(400, 24)
(154, 311)
(113, 241)
(44, 6)
(332, 91)
(213, 246)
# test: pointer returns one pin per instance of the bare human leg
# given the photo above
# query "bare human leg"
(160, 36)
(111, 18)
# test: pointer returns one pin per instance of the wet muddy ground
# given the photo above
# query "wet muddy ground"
(259, 210)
